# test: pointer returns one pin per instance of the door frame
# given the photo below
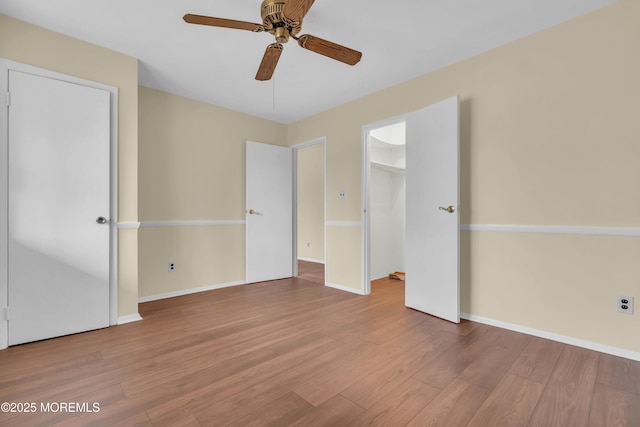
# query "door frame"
(5, 66)
(321, 140)
(366, 195)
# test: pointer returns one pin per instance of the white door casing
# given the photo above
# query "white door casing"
(269, 205)
(432, 232)
(59, 137)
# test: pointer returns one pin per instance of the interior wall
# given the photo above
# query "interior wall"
(32, 45)
(192, 191)
(398, 219)
(549, 137)
(387, 208)
(310, 195)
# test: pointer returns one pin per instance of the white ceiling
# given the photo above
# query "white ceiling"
(399, 40)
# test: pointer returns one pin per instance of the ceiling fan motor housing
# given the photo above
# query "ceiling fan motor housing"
(275, 22)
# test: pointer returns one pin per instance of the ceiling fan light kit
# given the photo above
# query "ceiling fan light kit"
(282, 19)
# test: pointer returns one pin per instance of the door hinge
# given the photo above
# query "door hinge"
(8, 99)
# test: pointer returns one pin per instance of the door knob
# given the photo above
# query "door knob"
(251, 212)
(102, 220)
(449, 209)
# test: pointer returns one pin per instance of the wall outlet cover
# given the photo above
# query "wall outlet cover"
(624, 304)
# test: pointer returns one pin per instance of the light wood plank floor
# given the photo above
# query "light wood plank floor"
(311, 271)
(293, 352)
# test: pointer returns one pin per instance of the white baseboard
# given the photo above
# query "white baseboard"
(317, 261)
(129, 319)
(189, 291)
(344, 288)
(621, 352)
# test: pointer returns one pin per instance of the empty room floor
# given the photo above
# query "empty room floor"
(294, 352)
(312, 271)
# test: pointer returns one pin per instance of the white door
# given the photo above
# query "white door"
(58, 252)
(432, 220)
(269, 212)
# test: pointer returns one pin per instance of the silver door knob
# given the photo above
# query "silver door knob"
(102, 220)
(449, 209)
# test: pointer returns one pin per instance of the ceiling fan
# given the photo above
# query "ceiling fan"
(283, 19)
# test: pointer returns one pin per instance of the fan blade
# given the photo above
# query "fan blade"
(330, 49)
(221, 22)
(269, 62)
(295, 10)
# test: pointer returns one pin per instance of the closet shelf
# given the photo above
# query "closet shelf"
(387, 167)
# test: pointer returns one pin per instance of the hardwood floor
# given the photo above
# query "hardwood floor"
(294, 352)
(311, 271)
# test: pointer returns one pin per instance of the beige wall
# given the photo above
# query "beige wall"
(192, 168)
(311, 202)
(549, 136)
(28, 44)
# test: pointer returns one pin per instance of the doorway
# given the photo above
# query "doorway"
(387, 192)
(58, 241)
(309, 196)
(384, 178)
(431, 214)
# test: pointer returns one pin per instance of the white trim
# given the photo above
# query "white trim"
(192, 223)
(129, 318)
(128, 225)
(317, 261)
(344, 288)
(554, 229)
(344, 224)
(4, 196)
(616, 351)
(190, 291)
(113, 204)
(294, 213)
(321, 140)
(380, 276)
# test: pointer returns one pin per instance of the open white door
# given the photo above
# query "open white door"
(58, 208)
(432, 219)
(269, 212)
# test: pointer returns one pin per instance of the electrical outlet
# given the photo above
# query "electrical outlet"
(624, 304)
(308, 244)
(172, 266)
(342, 194)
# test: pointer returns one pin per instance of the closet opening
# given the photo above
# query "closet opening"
(385, 202)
